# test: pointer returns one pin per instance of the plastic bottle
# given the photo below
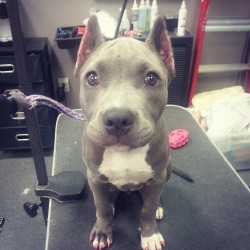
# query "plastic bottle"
(135, 17)
(142, 18)
(154, 12)
(148, 16)
(182, 20)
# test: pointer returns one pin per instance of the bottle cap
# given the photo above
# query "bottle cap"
(135, 6)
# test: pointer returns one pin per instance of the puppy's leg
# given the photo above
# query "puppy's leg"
(151, 238)
(160, 211)
(101, 234)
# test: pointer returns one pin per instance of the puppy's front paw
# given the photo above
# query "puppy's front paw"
(153, 242)
(101, 235)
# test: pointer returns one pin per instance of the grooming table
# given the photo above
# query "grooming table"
(211, 213)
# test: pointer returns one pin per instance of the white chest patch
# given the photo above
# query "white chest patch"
(122, 166)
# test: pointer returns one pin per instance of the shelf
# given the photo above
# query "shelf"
(213, 68)
(228, 25)
(218, 24)
(73, 41)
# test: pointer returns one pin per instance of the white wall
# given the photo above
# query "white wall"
(42, 18)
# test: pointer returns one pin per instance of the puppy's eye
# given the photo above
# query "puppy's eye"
(151, 79)
(92, 79)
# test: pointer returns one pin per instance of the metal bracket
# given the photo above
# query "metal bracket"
(64, 187)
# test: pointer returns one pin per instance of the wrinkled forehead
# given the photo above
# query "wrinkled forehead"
(125, 53)
(125, 46)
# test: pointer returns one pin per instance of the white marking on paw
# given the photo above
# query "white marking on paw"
(101, 245)
(154, 242)
(96, 242)
(159, 213)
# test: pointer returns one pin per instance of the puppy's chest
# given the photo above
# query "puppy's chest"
(123, 167)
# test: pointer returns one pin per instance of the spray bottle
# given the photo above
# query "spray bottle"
(182, 19)
(154, 12)
(135, 17)
(148, 16)
(142, 17)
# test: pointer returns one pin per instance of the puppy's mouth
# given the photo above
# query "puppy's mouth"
(118, 141)
(132, 139)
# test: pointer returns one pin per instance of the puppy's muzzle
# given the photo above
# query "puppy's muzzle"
(118, 121)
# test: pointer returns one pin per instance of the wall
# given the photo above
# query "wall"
(41, 18)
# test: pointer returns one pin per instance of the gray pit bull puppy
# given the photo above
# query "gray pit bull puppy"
(123, 92)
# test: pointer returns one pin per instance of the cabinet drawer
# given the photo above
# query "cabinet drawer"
(18, 119)
(18, 138)
(8, 69)
(38, 88)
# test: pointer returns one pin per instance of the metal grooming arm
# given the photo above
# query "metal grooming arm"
(68, 185)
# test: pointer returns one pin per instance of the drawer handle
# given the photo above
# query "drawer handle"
(7, 68)
(22, 137)
(18, 116)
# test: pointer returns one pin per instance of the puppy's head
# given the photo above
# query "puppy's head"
(124, 84)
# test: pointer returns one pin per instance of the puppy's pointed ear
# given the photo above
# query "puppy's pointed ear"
(91, 40)
(159, 41)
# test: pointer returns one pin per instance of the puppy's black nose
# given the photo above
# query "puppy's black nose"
(118, 121)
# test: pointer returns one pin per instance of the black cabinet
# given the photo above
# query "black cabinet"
(178, 90)
(13, 131)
